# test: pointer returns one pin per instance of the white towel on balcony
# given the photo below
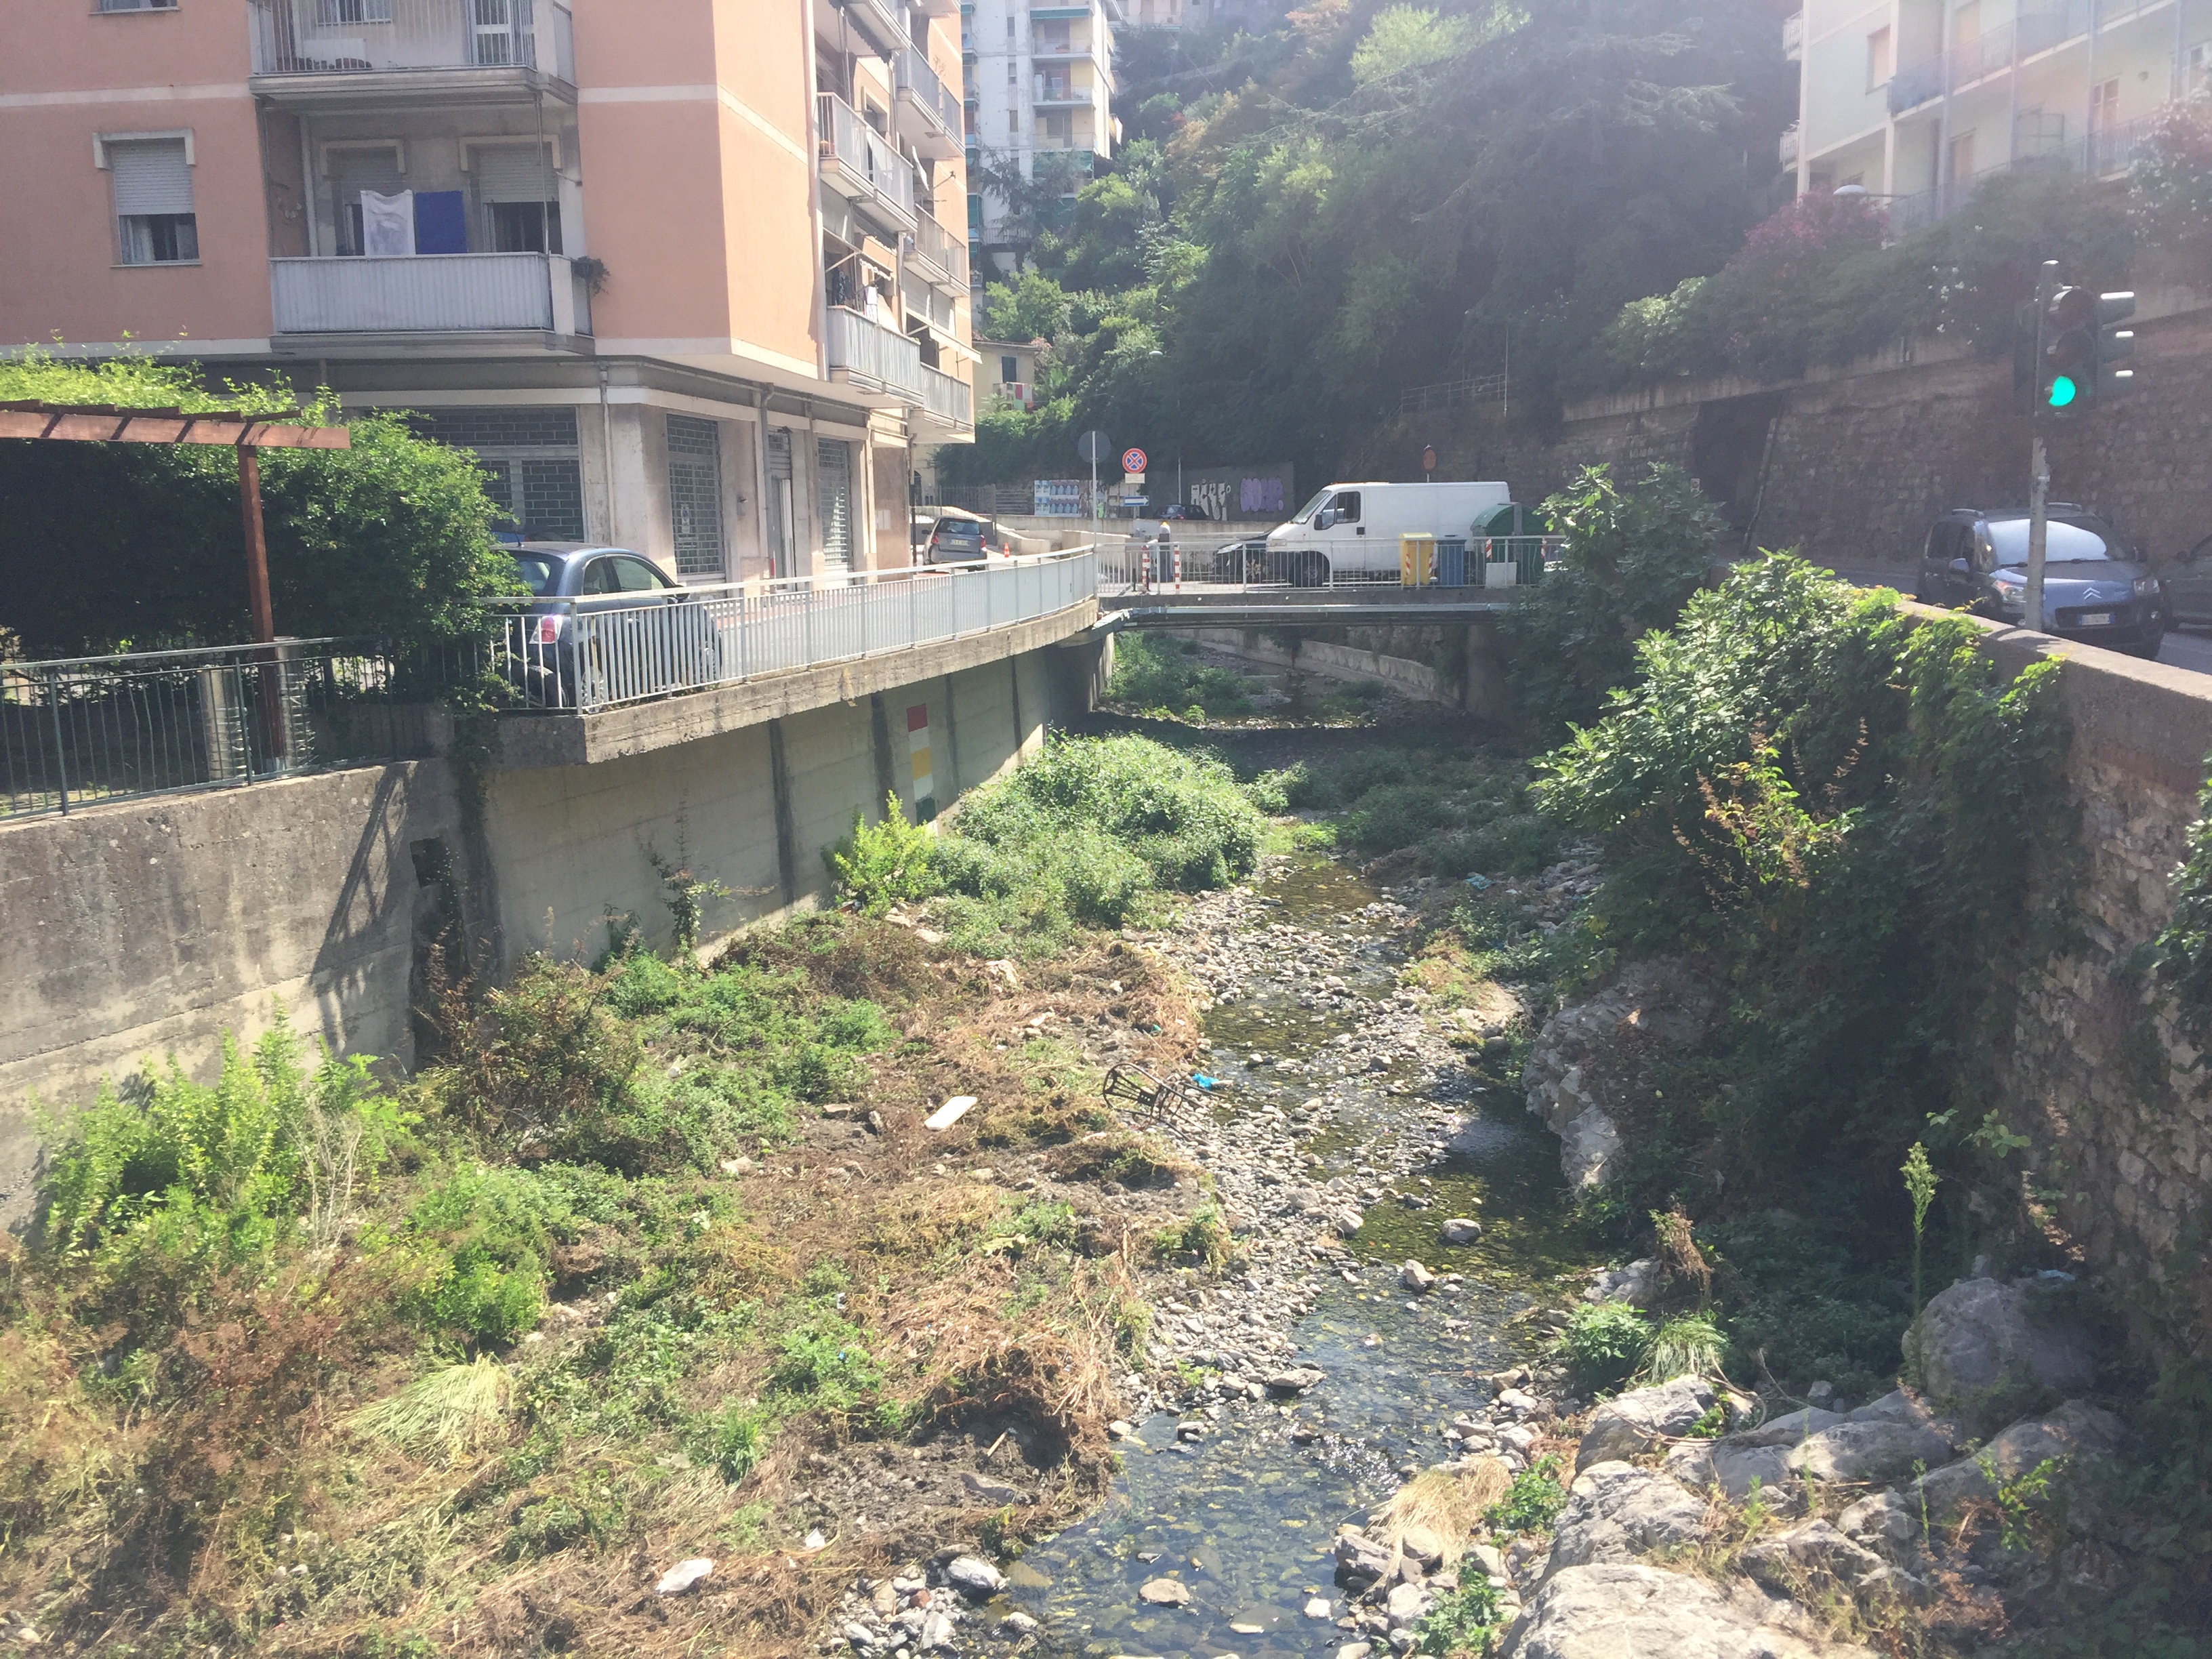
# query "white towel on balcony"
(388, 223)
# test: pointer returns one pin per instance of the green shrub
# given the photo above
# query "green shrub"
(738, 1436)
(886, 863)
(1691, 1345)
(824, 1362)
(1463, 1622)
(1531, 1504)
(1157, 676)
(1606, 1343)
(482, 1235)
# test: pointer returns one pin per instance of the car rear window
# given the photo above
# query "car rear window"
(539, 572)
(2062, 543)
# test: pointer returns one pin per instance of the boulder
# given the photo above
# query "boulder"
(1346, 1222)
(1987, 1352)
(1875, 1451)
(1295, 1380)
(1361, 1560)
(1616, 1512)
(1783, 1562)
(1406, 1605)
(974, 1576)
(1460, 1230)
(1625, 1610)
(1638, 1285)
(1883, 1519)
(985, 1490)
(1595, 1056)
(1165, 1592)
(1415, 1277)
(2074, 1430)
(1702, 1464)
(1638, 1420)
(1792, 1429)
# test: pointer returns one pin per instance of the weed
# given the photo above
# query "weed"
(1202, 1235)
(1920, 1186)
(1692, 1346)
(1462, 1623)
(738, 1437)
(1156, 677)
(1531, 1504)
(687, 904)
(453, 1411)
(1606, 1343)
(886, 863)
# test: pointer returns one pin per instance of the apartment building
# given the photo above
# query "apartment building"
(1918, 101)
(1039, 82)
(678, 271)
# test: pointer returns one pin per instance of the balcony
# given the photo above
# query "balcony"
(928, 112)
(859, 163)
(877, 359)
(1789, 145)
(937, 256)
(1996, 50)
(333, 53)
(1061, 91)
(1793, 37)
(948, 398)
(429, 294)
(880, 23)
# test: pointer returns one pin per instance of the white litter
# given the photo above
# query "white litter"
(950, 1113)
(682, 1576)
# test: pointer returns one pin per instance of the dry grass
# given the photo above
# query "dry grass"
(1446, 1502)
(454, 1410)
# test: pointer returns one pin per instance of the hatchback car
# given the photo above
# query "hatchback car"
(2095, 588)
(956, 538)
(604, 624)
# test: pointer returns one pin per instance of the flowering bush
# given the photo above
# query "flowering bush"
(1761, 300)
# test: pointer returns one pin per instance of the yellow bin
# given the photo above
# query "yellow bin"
(1416, 559)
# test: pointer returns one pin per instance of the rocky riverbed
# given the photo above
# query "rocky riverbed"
(1397, 1222)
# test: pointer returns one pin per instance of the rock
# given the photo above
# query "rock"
(1605, 1043)
(1414, 1277)
(858, 1634)
(1791, 1430)
(1360, 1560)
(1873, 1451)
(1405, 1605)
(1630, 1611)
(1020, 1623)
(1781, 1562)
(2074, 1430)
(1295, 1380)
(1165, 1592)
(1318, 1606)
(1987, 1352)
(1347, 1222)
(1121, 1429)
(1883, 1518)
(937, 1633)
(738, 1166)
(1459, 1230)
(1520, 1402)
(1419, 1544)
(1616, 1512)
(985, 1490)
(1638, 1284)
(1640, 1419)
(1700, 1464)
(1352, 1650)
(974, 1576)
(684, 1576)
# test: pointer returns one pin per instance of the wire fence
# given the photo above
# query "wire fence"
(79, 731)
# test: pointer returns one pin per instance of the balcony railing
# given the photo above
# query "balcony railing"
(919, 88)
(1793, 36)
(339, 36)
(942, 258)
(870, 354)
(428, 293)
(948, 397)
(579, 656)
(1789, 147)
(859, 163)
(1995, 49)
(2109, 150)
(1052, 89)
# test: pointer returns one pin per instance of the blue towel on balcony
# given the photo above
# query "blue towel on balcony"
(441, 222)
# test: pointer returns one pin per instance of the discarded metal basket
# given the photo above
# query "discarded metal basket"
(1139, 1087)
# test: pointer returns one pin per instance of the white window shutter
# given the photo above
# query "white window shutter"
(512, 172)
(150, 176)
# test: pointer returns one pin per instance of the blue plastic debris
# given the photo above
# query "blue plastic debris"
(1478, 882)
(1202, 1080)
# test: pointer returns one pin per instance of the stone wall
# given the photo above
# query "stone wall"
(1852, 466)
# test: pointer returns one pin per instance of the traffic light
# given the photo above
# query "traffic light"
(2115, 344)
(2067, 380)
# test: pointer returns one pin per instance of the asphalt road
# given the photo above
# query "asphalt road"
(2179, 650)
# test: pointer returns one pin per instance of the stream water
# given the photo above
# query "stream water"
(1244, 1516)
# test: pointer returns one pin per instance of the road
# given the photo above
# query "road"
(2179, 650)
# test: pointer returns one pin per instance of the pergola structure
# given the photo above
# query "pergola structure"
(104, 423)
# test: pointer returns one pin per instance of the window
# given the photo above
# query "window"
(500, 32)
(834, 479)
(1345, 505)
(1962, 158)
(1010, 368)
(1966, 24)
(153, 185)
(515, 184)
(526, 227)
(1877, 58)
(1013, 121)
(136, 5)
(694, 495)
(622, 573)
(2200, 66)
(353, 11)
(2105, 103)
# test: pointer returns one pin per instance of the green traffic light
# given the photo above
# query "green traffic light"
(2063, 391)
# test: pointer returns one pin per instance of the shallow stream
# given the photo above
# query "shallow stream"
(1244, 1516)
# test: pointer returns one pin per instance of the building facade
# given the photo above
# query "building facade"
(1040, 83)
(678, 273)
(1918, 101)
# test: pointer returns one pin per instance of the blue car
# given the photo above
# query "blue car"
(2096, 589)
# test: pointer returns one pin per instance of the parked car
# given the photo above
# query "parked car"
(956, 538)
(2095, 588)
(2188, 585)
(1196, 515)
(1352, 529)
(605, 625)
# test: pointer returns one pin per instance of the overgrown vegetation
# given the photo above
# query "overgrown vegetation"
(390, 538)
(1157, 677)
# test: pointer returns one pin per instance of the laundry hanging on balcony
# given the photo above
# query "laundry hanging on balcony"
(388, 223)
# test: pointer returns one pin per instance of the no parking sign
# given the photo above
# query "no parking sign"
(1132, 461)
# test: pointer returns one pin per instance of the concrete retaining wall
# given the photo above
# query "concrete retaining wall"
(152, 926)
(1337, 662)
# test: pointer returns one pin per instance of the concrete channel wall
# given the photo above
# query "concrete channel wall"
(156, 925)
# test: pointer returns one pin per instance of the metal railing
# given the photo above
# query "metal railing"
(948, 397)
(936, 248)
(871, 353)
(425, 293)
(914, 77)
(79, 731)
(1140, 564)
(581, 656)
(1997, 49)
(855, 153)
(2107, 151)
(332, 37)
(1478, 390)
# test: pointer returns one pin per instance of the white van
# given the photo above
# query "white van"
(1352, 529)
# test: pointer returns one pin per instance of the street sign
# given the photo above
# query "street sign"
(1093, 447)
(1133, 461)
(1132, 477)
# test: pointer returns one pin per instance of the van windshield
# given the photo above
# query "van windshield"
(1307, 511)
(2064, 543)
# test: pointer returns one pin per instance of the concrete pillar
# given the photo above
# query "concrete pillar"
(786, 827)
(879, 732)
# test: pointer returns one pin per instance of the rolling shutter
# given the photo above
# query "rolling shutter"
(150, 176)
(834, 467)
(694, 495)
(512, 172)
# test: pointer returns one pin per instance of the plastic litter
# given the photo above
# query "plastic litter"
(1478, 882)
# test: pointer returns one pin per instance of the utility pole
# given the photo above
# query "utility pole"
(2039, 466)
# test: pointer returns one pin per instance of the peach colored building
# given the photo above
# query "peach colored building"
(677, 270)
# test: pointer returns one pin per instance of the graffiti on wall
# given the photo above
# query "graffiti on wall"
(1240, 492)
